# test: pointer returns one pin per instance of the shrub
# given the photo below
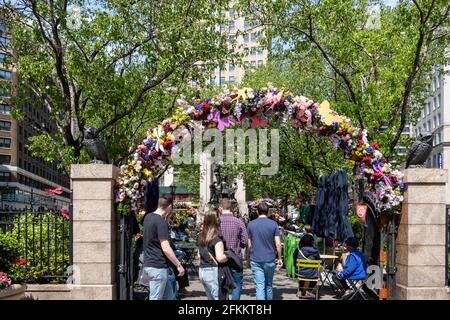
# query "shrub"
(43, 239)
(11, 266)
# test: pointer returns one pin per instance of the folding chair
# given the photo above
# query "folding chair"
(357, 287)
(313, 264)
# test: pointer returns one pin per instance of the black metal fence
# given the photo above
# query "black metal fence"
(447, 252)
(45, 242)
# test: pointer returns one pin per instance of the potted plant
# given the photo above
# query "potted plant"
(12, 270)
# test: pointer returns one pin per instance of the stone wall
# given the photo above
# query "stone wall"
(421, 237)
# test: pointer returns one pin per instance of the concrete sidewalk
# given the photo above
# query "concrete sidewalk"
(284, 288)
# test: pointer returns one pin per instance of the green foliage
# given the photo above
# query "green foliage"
(357, 226)
(9, 253)
(373, 62)
(44, 242)
(118, 65)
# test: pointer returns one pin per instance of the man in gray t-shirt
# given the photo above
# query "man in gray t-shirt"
(264, 245)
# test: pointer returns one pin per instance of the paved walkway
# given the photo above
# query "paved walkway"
(284, 288)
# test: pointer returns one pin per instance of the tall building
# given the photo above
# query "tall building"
(24, 177)
(243, 37)
(435, 118)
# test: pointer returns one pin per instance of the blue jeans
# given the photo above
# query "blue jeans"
(236, 294)
(161, 283)
(263, 276)
(210, 280)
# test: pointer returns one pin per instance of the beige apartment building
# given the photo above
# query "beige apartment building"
(243, 37)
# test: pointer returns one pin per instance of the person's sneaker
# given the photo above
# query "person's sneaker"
(185, 292)
(310, 295)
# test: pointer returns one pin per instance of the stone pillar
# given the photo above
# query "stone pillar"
(94, 231)
(240, 197)
(206, 178)
(421, 237)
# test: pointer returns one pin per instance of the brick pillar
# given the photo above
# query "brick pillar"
(421, 237)
(94, 230)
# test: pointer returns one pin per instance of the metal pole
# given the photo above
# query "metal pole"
(391, 263)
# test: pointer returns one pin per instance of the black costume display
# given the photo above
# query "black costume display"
(330, 219)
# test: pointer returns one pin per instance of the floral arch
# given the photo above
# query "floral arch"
(249, 108)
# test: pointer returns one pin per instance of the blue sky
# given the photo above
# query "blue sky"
(390, 2)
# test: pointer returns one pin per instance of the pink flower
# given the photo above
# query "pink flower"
(65, 214)
(4, 280)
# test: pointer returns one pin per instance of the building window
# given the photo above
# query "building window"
(429, 125)
(3, 27)
(5, 143)
(439, 119)
(4, 41)
(231, 26)
(253, 64)
(231, 79)
(232, 39)
(5, 176)
(231, 12)
(246, 64)
(434, 122)
(429, 108)
(253, 51)
(260, 63)
(246, 37)
(5, 125)
(3, 57)
(253, 37)
(213, 80)
(222, 81)
(231, 67)
(422, 113)
(5, 159)
(5, 75)
(5, 92)
(438, 101)
(5, 109)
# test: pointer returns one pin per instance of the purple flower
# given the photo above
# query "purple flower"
(370, 150)
(198, 107)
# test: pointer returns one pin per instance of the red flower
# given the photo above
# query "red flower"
(324, 131)
(167, 144)
(376, 146)
(21, 262)
(65, 214)
(367, 160)
(377, 175)
(361, 142)
(206, 106)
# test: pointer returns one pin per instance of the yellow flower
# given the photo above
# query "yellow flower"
(170, 136)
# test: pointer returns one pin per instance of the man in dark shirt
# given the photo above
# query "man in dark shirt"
(264, 245)
(235, 236)
(158, 252)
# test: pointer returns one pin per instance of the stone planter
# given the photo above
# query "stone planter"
(13, 292)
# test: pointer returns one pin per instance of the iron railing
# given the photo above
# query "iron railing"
(447, 244)
(45, 242)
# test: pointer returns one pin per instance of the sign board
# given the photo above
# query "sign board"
(361, 211)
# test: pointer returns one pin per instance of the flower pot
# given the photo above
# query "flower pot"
(13, 292)
(384, 293)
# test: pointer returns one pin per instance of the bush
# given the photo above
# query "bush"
(44, 241)
(10, 263)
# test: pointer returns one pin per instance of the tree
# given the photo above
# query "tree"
(118, 65)
(378, 58)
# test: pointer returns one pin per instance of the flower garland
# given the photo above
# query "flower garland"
(249, 108)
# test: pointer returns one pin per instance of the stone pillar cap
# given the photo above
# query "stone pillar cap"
(425, 176)
(94, 171)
